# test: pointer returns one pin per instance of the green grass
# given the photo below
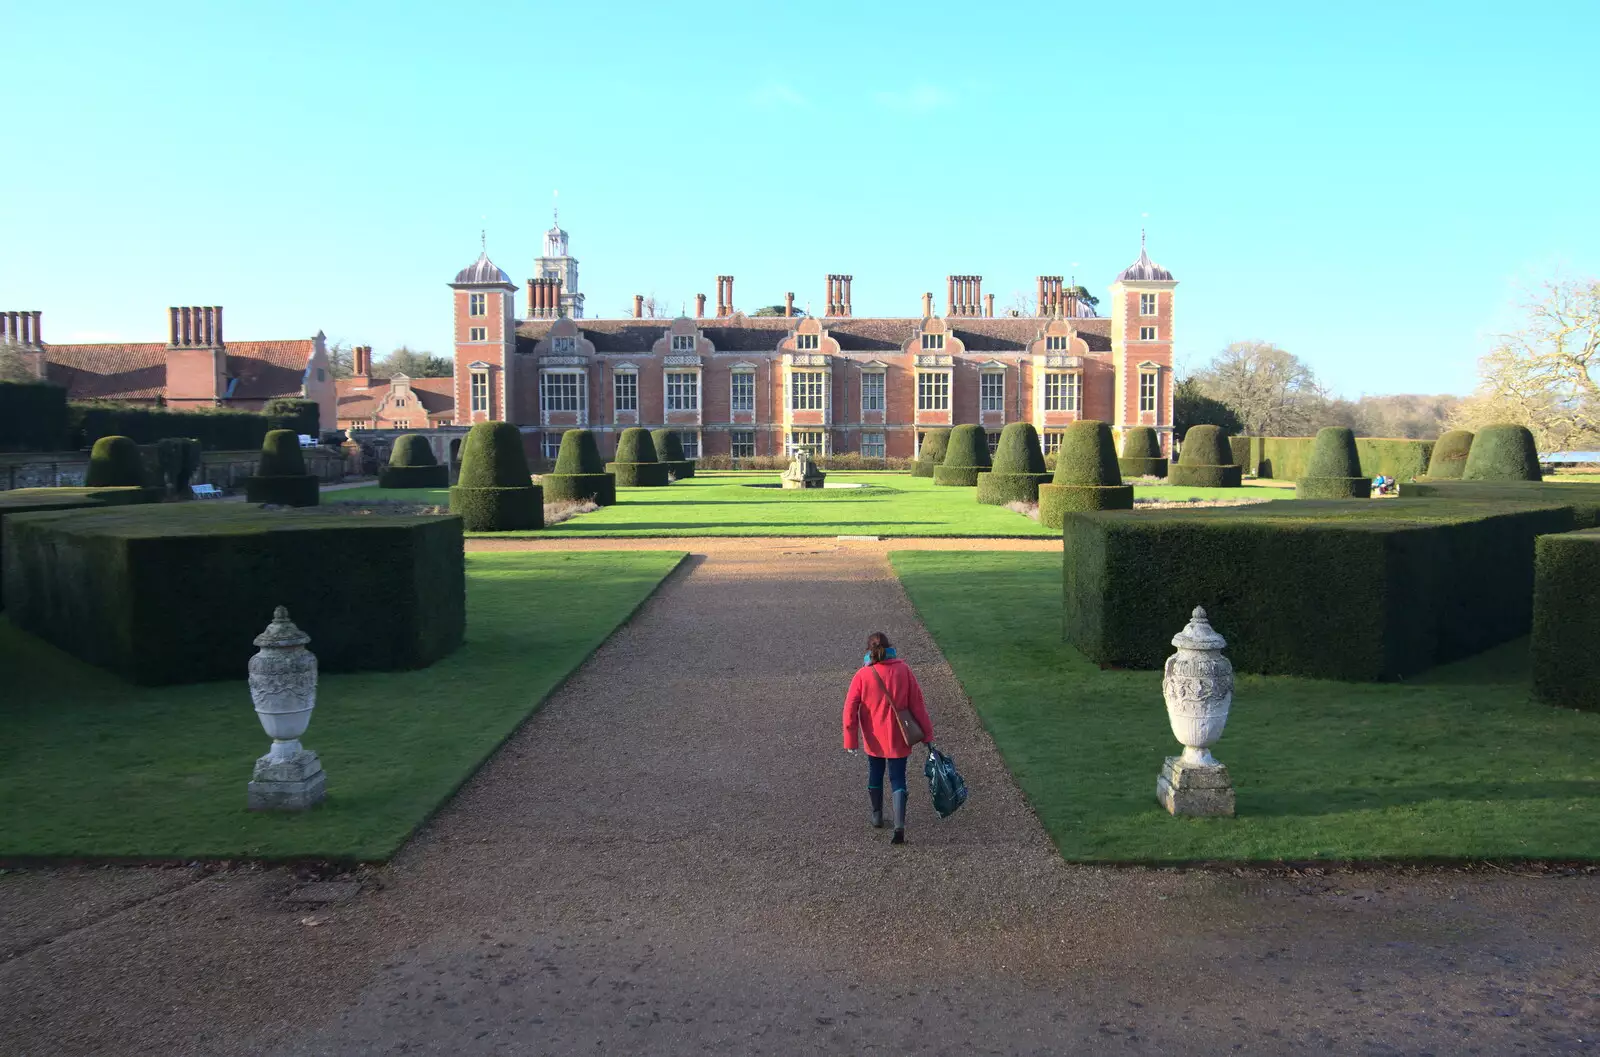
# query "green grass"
(92, 767)
(1457, 764)
(724, 505)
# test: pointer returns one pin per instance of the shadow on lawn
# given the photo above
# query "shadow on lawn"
(1313, 802)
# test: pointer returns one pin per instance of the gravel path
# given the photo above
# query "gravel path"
(672, 858)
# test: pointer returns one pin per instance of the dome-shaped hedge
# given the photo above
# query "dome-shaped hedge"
(1018, 468)
(1141, 453)
(934, 445)
(1449, 457)
(966, 456)
(114, 463)
(412, 465)
(580, 473)
(1334, 470)
(636, 465)
(1087, 475)
(280, 454)
(281, 475)
(1206, 460)
(1503, 452)
(495, 492)
(669, 449)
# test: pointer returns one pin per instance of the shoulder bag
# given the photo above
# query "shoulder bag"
(909, 727)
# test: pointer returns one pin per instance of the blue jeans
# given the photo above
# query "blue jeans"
(897, 773)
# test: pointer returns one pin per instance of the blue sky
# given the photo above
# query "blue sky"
(1373, 187)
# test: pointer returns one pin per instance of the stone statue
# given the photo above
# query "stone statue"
(802, 472)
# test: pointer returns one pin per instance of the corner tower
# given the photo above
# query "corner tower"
(1141, 347)
(559, 265)
(485, 336)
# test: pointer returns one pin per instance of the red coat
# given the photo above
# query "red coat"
(867, 709)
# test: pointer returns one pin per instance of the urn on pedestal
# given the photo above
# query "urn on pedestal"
(1198, 686)
(283, 685)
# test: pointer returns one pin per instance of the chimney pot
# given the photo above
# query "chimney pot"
(788, 303)
(927, 305)
(988, 305)
(638, 306)
(700, 305)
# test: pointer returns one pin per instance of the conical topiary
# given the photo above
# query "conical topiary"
(934, 444)
(1503, 452)
(1449, 457)
(1334, 471)
(1206, 460)
(1141, 453)
(495, 492)
(965, 457)
(669, 449)
(281, 476)
(580, 473)
(636, 465)
(1087, 475)
(114, 463)
(1018, 468)
(412, 464)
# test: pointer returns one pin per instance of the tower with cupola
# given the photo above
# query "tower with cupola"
(557, 269)
(485, 337)
(1141, 347)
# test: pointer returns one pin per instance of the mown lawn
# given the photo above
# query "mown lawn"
(92, 767)
(1456, 764)
(713, 505)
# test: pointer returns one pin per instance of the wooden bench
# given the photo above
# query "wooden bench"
(206, 491)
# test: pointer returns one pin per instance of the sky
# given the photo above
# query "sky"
(1374, 187)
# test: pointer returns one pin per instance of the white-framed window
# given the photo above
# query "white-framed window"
(807, 342)
(477, 304)
(993, 439)
(742, 443)
(1063, 391)
(551, 447)
(872, 445)
(625, 391)
(742, 393)
(1057, 343)
(1147, 333)
(805, 390)
(806, 438)
(1050, 441)
(690, 442)
(991, 391)
(1148, 387)
(563, 391)
(683, 343)
(933, 391)
(1147, 304)
(933, 341)
(480, 390)
(872, 391)
(563, 345)
(478, 334)
(683, 391)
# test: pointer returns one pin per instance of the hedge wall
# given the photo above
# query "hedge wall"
(1334, 590)
(217, 429)
(1566, 621)
(33, 417)
(34, 500)
(1582, 499)
(1286, 458)
(175, 593)
(1056, 500)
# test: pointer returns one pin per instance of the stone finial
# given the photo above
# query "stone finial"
(1198, 634)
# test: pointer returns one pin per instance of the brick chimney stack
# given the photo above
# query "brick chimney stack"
(927, 305)
(638, 306)
(848, 311)
(544, 298)
(965, 295)
(197, 365)
(788, 303)
(724, 296)
(838, 300)
(988, 305)
(1050, 295)
(20, 328)
(700, 305)
(361, 366)
(195, 327)
(1070, 302)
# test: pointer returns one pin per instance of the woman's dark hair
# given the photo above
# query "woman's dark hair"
(878, 646)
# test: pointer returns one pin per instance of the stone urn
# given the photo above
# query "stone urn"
(1198, 687)
(803, 472)
(283, 687)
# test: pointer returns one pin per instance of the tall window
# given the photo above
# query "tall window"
(993, 439)
(1147, 333)
(625, 391)
(477, 304)
(480, 390)
(1147, 390)
(1056, 343)
(1063, 392)
(933, 391)
(872, 445)
(551, 447)
(1147, 304)
(991, 391)
(811, 439)
(683, 391)
(805, 342)
(872, 391)
(563, 391)
(478, 334)
(933, 341)
(683, 343)
(691, 444)
(743, 443)
(1050, 441)
(805, 390)
(744, 391)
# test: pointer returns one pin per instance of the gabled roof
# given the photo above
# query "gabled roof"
(436, 395)
(264, 369)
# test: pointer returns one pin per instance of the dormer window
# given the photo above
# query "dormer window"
(1056, 343)
(563, 345)
(807, 342)
(933, 341)
(477, 304)
(683, 343)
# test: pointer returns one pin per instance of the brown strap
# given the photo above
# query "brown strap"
(893, 708)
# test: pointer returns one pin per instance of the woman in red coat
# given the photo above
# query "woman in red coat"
(884, 683)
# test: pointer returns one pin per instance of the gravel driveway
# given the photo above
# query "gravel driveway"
(672, 857)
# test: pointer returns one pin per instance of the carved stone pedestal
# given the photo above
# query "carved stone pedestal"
(1186, 788)
(293, 782)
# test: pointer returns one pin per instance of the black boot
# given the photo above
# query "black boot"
(899, 817)
(876, 796)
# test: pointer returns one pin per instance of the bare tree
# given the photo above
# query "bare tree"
(1272, 391)
(654, 308)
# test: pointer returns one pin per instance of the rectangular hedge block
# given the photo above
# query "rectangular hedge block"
(1325, 589)
(1566, 620)
(1584, 499)
(175, 593)
(1286, 458)
(31, 500)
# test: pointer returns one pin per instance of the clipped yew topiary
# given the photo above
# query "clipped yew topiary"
(1335, 468)
(1503, 452)
(281, 476)
(580, 473)
(966, 456)
(636, 465)
(1450, 455)
(1141, 454)
(1087, 475)
(1566, 622)
(1018, 468)
(934, 445)
(179, 458)
(495, 492)
(1206, 460)
(412, 464)
(669, 450)
(114, 463)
